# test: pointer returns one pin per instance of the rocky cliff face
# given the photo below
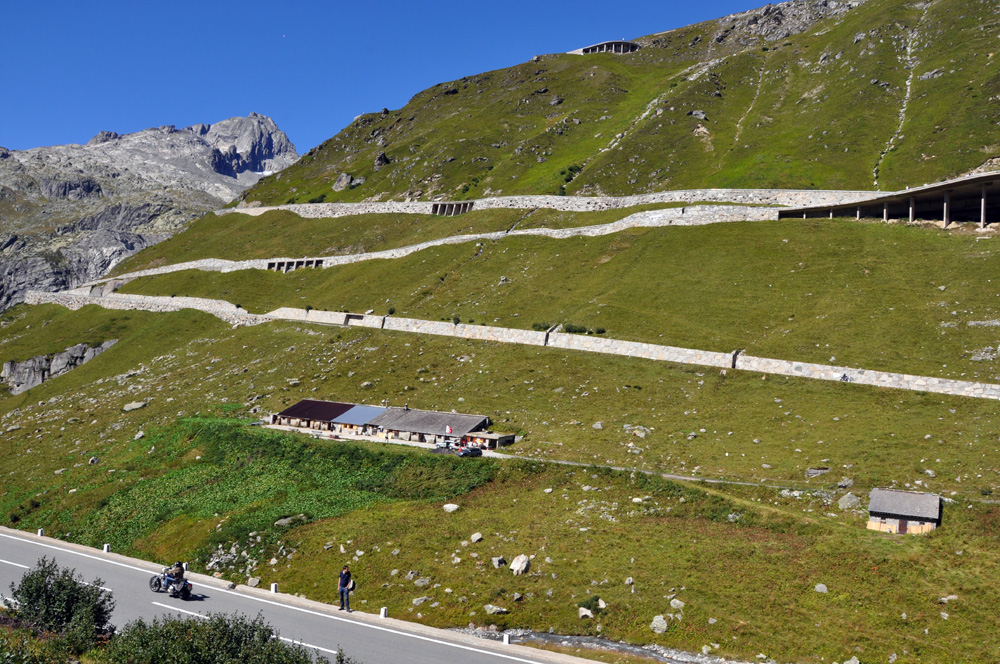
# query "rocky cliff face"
(22, 376)
(69, 213)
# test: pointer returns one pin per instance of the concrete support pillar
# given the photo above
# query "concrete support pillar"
(982, 206)
(803, 215)
(947, 211)
(859, 213)
(885, 212)
(831, 213)
(913, 208)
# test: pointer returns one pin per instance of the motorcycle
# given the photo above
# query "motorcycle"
(161, 581)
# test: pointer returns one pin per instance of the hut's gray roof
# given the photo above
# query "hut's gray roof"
(360, 415)
(926, 506)
(429, 422)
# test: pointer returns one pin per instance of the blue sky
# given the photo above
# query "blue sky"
(70, 69)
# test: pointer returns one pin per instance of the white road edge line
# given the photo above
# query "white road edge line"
(174, 608)
(294, 608)
(383, 629)
(14, 564)
(307, 645)
(75, 553)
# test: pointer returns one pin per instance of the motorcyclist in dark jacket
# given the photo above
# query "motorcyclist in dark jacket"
(175, 575)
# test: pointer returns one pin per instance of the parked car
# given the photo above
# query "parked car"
(470, 452)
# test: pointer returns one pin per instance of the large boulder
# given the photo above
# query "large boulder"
(520, 565)
(659, 624)
(495, 610)
(849, 502)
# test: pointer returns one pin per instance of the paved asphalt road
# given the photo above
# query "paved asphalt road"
(364, 637)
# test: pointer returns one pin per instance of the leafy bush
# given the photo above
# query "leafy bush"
(392, 310)
(18, 646)
(574, 329)
(218, 638)
(57, 600)
(593, 604)
(541, 327)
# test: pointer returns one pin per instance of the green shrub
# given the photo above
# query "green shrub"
(593, 604)
(574, 329)
(217, 638)
(392, 310)
(456, 320)
(600, 330)
(57, 600)
(541, 327)
(318, 199)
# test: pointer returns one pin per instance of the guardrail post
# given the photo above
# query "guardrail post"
(107, 548)
(41, 532)
(506, 639)
(274, 587)
(383, 612)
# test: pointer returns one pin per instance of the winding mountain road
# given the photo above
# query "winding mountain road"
(364, 637)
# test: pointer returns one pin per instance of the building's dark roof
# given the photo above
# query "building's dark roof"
(359, 415)
(321, 411)
(429, 422)
(925, 506)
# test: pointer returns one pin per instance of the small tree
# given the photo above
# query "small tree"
(58, 600)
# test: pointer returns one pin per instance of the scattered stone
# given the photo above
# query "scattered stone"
(930, 473)
(849, 502)
(949, 598)
(476, 537)
(547, 491)
(816, 472)
(420, 600)
(676, 604)
(93, 461)
(520, 565)
(659, 624)
(498, 562)
(701, 115)
(380, 161)
(821, 588)
(629, 581)
(422, 582)
(450, 507)
(365, 385)
(518, 597)
(597, 426)
(495, 610)
(845, 483)
(584, 612)
(139, 435)
(253, 581)
(135, 405)
(290, 521)
(712, 621)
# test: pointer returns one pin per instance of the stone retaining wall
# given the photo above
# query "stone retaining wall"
(783, 197)
(580, 342)
(687, 216)
(220, 308)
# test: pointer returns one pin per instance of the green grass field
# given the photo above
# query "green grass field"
(892, 298)
(194, 462)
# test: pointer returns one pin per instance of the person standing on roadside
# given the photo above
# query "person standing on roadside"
(345, 589)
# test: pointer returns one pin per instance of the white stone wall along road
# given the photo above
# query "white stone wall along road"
(578, 342)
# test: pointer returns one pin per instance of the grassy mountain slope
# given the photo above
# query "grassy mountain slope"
(831, 292)
(198, 479)
(812, 110)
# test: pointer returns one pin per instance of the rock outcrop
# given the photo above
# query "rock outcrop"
(72, 212)
(22, 376)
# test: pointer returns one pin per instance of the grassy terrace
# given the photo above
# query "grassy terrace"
(281, 233)
(894, 298)
(196, 480)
